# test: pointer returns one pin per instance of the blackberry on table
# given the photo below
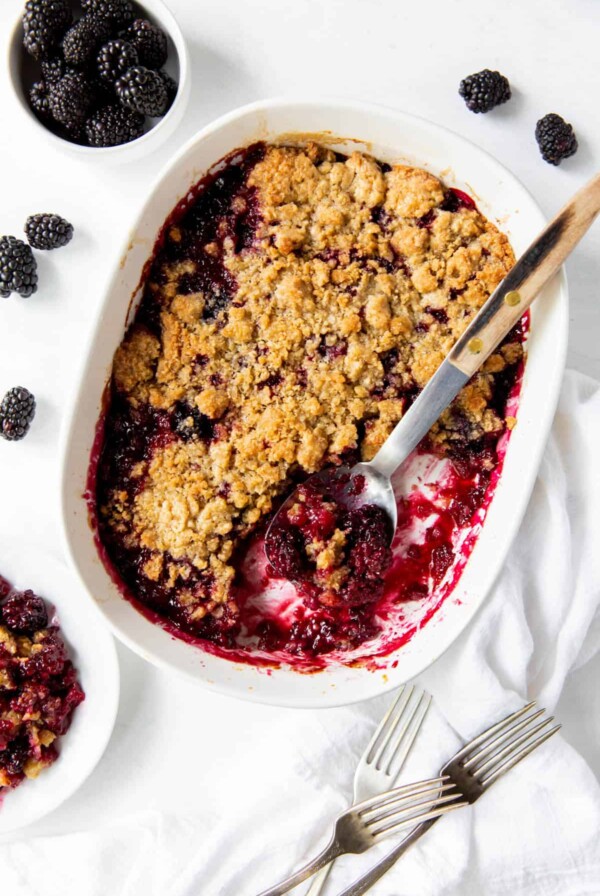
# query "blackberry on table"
(17, 410)
(44, 23)
(171, 85)
(115, 58)
(149, 41)
(81, 42)
(47, 231)
(142, 90)
(18, 268)
(38, 98)
(117, 12)
(113, 125)
(70, 99)
(555, 138)
(484, 90)
(53, 69)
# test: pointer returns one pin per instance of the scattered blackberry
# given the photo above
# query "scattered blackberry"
(53, 69)
(115, 58)
(48, 231)
(81, 42)
(149, 41)
(113, 125)
(24, 612)
(38, 97)
(484, 90)
(44, 23)
(555, 138)
(70, 100)
(143, 90)
(17, 410)
(18, 268)
(117, 12)
(172, 87)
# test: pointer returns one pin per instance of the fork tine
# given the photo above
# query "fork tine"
(406, 790)
(393, 803)
(493, 729)
(517, 757)
(388, 724)
(492, 746)
(413, 726)
(510, 748)
(414, 820)
(399, 813)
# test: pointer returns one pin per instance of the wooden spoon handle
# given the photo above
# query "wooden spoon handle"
(542, 259)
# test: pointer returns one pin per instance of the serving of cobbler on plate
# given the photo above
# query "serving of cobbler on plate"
(296, 303)
(39, 687)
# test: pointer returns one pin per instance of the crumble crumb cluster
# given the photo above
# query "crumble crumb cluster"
(38, 686)
(297, 305)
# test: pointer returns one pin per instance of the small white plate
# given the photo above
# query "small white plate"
(92, 650)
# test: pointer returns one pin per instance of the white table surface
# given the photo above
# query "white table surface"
(411, 56)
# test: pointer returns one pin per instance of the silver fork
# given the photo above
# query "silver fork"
(385, 754)
(472, 771)
(361, 827)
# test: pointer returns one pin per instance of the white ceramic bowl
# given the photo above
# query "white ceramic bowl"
(22, 73)
(391, 136)
(92, 649)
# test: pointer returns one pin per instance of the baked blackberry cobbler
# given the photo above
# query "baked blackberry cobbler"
(296, 303)
(39, 689)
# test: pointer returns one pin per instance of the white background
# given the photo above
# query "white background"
(408, 55)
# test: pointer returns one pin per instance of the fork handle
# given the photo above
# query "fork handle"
(318, 882)
(365, 882)
(331, 852)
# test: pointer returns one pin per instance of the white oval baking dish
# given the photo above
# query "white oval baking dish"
(390, 136)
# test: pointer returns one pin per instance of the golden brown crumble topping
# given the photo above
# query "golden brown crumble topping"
(356, 283)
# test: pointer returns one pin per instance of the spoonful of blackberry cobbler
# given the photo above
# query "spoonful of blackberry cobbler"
(333, 534)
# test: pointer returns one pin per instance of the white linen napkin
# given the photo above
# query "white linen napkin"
(199, 795)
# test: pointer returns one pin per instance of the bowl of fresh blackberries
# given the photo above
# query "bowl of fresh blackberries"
(100, 77)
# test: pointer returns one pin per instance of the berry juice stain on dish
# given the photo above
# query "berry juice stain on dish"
(296, 304)
(39, 690)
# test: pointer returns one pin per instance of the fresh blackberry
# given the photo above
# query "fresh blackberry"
(103, 94)
(113, 125)
(18, 268)
(484, 90)
(171, 85)
(555, 138)
(70, 101)
(53, 69)
(117, 12)
(44, 23)
(81, 42)
(17, 410)
(38, 98)
(48, 231)
(115, 58)
(149, 41)
(143, 90)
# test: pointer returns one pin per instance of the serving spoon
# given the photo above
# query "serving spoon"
(370, 482)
